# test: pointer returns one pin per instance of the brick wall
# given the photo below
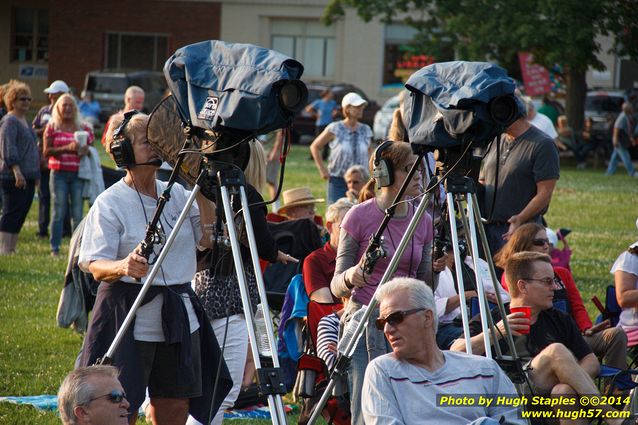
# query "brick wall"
(77, 30)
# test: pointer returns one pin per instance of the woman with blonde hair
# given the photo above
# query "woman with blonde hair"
(19, 164)
(62, 147)
(349, 142)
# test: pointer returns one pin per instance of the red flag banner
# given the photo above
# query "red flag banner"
(535, 77)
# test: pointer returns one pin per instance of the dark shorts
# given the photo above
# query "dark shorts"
(160, 362)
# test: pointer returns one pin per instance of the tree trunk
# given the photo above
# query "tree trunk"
(576, 94)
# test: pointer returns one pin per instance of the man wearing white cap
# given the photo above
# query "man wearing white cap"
(55, 90)
(349, 142)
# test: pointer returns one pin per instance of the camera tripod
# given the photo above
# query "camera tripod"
(459, 188)
(230, 184)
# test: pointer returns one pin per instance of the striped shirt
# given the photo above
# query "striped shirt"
(66, 161)
(327, 333)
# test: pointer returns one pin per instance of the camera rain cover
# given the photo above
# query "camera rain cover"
(234, 87)
(450, 102)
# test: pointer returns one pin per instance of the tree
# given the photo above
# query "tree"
(554, 31)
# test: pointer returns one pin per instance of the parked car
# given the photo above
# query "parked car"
(383, 118)
(603, 107)
(303, 128)
(108, 89)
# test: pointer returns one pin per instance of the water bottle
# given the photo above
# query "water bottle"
(261, 333)
(350, 327)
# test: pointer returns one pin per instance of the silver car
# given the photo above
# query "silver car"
(383, 118)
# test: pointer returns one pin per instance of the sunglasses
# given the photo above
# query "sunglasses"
(25, 99)
(115, 396)
(540, 242)
(395, 318)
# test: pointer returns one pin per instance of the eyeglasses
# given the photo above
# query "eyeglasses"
(395, 318)
(540, 242)
(115, 396)
(25, 99)
(546, 281)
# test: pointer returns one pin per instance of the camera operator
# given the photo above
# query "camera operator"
(390, 166)
(171, 348)
(527, 171)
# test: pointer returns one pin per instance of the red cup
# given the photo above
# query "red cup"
(527, 310)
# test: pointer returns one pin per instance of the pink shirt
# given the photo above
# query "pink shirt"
(67, 161)
(363, 220)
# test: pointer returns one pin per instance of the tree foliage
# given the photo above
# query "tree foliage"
(561, 32)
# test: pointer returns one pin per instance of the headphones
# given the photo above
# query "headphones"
(383, 171)
(121, 146)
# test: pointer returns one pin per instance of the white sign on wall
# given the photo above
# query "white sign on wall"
(33, 72)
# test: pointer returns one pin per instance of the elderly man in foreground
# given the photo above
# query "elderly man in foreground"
(408, 386)
(93, 395)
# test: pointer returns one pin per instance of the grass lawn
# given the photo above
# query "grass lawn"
(35, 354)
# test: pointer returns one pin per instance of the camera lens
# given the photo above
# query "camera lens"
(293, 96)
(503, 110)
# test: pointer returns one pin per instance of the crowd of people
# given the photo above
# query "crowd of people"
(189, 335)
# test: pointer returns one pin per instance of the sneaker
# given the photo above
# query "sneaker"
(55, 253)
(42, 235)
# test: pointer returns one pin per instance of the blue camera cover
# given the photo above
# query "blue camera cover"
(220, 85)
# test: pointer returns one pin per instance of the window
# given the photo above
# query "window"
(310, 42)
(30, 35)
(136, 51)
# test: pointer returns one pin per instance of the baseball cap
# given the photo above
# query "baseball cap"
(58, 86)
(353, 99)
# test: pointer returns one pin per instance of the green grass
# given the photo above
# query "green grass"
(35, 354)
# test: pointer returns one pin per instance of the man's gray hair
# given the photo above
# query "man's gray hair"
(341, 206)
(357, 169)
(419, 294)
(76, 390)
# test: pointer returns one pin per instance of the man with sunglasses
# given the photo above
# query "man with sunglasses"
(93, 395)
(410, 385)
(559, 361)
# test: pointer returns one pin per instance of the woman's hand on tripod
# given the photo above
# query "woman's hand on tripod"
(285, 258)
(354, 276)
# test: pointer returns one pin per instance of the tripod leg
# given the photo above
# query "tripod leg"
(459, 274)
(245, 297)
(261, 287)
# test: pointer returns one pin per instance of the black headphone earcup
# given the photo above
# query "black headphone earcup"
(122, 152)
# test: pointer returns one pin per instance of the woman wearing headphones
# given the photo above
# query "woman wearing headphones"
(170, 348)
(389, 166)
(349, 142)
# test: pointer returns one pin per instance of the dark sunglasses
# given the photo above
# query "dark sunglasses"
(25, 99)
(395, 318)
(540, 242)
(115, 396)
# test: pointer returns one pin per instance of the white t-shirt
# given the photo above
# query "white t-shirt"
(628, 263)
(445, 289)
(116, 224)
(544, 124)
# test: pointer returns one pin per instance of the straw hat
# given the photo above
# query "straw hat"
(296, 197)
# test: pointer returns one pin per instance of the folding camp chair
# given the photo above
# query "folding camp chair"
(337, 410)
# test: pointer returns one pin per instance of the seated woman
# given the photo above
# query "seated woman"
(606, 342)
(625, 270)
